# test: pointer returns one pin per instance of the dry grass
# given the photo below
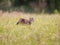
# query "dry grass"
(45, 30)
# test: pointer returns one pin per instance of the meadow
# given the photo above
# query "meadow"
(45, 30)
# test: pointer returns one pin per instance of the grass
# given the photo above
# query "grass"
(45, 30)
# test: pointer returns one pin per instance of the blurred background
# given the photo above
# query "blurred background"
(35, 6)
(44, 30)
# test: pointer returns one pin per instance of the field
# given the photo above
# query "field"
(45, 30)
